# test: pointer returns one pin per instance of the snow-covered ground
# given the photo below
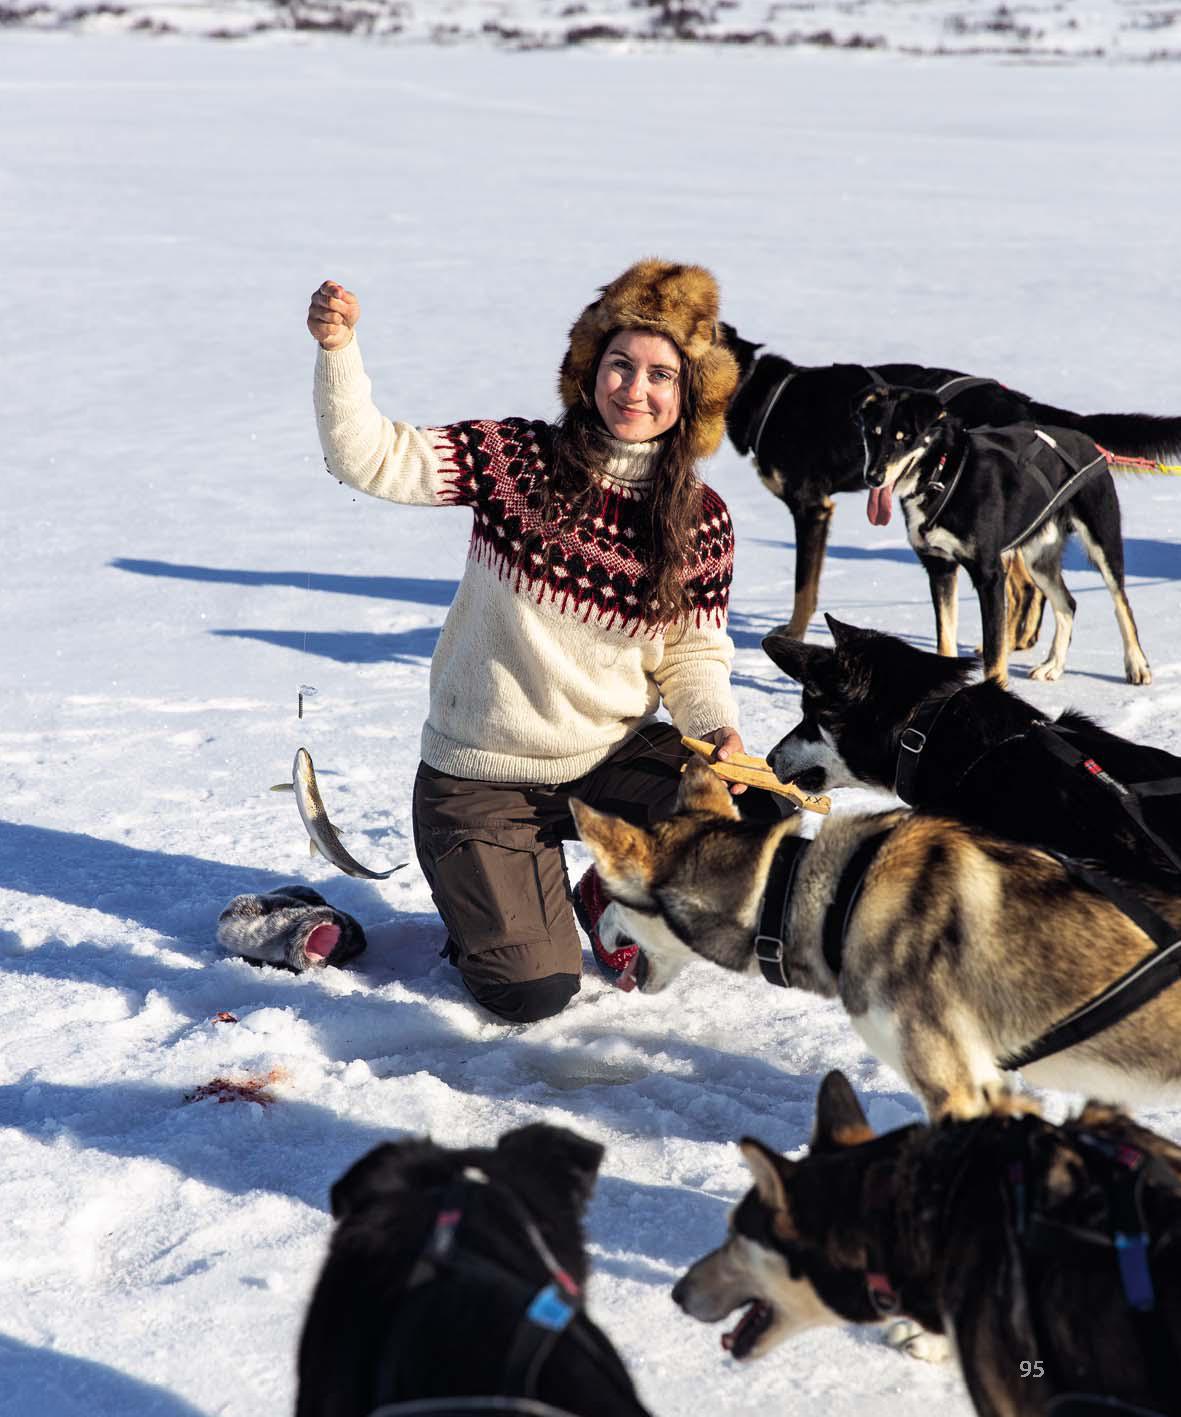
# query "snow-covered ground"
(1137, 30)
(177, 563)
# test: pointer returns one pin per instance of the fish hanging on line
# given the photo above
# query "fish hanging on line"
(322, 835)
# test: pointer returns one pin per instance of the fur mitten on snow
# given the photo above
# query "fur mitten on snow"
(293, 926)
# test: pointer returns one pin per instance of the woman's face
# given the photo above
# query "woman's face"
(638, 387)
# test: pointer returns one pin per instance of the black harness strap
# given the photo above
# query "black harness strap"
(836, 919)
(453, 1406)
(550, 1313)
(1134, 988)
(1160, 787)
(953, 388)
(763, 412)
(913, 740)
(1055, 499)
(1053, 739)
(931, 521)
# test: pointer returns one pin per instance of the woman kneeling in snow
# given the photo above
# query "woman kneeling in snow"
(596, 586)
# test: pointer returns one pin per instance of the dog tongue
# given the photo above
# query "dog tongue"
(322, 941)
(879, 506)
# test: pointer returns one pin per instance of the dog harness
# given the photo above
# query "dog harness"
(763, 412)
(771, 937)
(550, 1312)
(1022, 445)
(1153, 974)
(912, 741)
(1129, 1170)
(1125, 1173)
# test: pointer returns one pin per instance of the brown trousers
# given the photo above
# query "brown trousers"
(492, 855)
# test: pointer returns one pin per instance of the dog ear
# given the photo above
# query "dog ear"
(769, 1170)
(380, 1172)
(624, 854)
(570, 1161)
(840, 1121)
(797, 659)
(702, 790)
(846, 637)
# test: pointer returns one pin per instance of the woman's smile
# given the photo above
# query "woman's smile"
(638, 385)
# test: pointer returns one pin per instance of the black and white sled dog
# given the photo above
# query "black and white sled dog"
(1048, 1254)
(958, 955)
(799, 425)
(973, 496)
(878, 712)
(456, 1273)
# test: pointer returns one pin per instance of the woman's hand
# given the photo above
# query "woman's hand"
(726, 741)
(332, 314)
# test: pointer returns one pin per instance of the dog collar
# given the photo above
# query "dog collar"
(946, 489)
(771, 940)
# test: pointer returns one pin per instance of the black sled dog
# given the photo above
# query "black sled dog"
(799, 425)
(958, 956)
(1050, 1255)
(879, 713)
(975, 496)
(459, 1273)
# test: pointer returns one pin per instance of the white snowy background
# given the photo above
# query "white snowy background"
(176, 563)
(1121, 30)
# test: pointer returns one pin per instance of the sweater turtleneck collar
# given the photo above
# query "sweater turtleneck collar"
(629, 468)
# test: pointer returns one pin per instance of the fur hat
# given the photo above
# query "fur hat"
(680, 302)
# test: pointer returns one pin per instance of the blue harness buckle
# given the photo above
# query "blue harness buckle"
(549, 1310)
(1135, 1276)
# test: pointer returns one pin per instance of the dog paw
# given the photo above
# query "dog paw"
(1138, 671)
(1047, 672)
(915, 1341)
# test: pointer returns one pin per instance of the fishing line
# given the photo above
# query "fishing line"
(306, 691)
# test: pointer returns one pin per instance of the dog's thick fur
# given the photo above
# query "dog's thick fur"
(980, 764)
(451, 1335)
(969, 496)
(960, 949)
(932, 1208)
(811, 445)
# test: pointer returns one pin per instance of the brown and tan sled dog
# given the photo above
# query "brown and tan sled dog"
(952, 951)
(1049, 1255)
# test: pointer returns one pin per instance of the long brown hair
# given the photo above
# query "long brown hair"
(581, 448)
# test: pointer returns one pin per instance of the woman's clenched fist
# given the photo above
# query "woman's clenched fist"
(332, 314)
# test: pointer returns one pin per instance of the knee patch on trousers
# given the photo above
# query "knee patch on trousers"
(528, 1000)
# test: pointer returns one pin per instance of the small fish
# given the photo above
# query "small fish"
(322, 835)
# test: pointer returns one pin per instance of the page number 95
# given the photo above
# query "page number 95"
(1036, 1369)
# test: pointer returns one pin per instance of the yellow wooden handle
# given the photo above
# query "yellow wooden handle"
(754, 772)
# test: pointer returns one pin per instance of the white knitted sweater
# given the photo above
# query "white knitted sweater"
(537, 678)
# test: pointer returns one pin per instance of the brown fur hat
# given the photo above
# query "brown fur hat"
(680, 302)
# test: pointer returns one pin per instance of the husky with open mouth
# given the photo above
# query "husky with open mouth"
(1047, 1254)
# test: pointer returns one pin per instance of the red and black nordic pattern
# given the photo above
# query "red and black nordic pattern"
(592, 568)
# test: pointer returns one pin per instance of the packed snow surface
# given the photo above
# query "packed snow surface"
(178, 564)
